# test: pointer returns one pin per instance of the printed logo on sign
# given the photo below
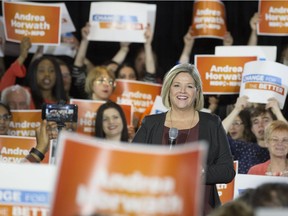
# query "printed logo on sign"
(107, 21)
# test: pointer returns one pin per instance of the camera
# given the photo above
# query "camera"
(60, 113)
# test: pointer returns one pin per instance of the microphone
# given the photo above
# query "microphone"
(173, 133)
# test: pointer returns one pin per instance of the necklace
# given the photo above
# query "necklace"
(279, 173)
(188, 134)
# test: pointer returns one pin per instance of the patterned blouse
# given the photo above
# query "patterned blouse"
(248, 154)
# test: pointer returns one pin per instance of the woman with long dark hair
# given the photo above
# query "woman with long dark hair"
(111, 122)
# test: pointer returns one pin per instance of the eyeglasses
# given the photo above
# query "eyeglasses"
(5, 117)
(237, 123)
(104, 80)
(276, 141)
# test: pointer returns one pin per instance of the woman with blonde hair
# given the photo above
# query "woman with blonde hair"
(182, 94)
(100, 83)
(276, 140)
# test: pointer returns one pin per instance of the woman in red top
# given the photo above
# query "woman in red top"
(276, 140)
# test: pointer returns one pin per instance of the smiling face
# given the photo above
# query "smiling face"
(46, 75)
(112, 124)
(277, 144)
(182, 92)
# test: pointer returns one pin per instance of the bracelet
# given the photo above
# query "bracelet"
(31, 159)
(38, 153)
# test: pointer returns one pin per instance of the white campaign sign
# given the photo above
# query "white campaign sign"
(245, 181)
(262, 80)
(120, 21)
(262, 52)
(26, 189)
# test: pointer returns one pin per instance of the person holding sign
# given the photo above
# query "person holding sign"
(182, 95)
(79, 68)
(255, 19)
(214, 103)
(276, 140)
(46, 132)
(237, 124)
(111, 124)
(17, 69)
(248, 153)
(44, 79)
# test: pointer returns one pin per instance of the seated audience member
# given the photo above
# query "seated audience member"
(5, 118)
(111, 123)
(276, 140)
(250, 153)
(16, 97)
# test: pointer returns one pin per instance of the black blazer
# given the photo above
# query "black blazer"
(219, 168)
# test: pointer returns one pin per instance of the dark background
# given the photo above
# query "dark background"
(172, 21)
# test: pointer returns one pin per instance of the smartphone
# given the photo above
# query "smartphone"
(60, 113)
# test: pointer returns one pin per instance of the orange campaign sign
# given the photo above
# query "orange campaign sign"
(87, 111)
(14, 149)
(221, 74)
(113, 178)
(274, 17)
(140, 94)
(40, 22)
(24, 122)
(226, 191)
(209, 19)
